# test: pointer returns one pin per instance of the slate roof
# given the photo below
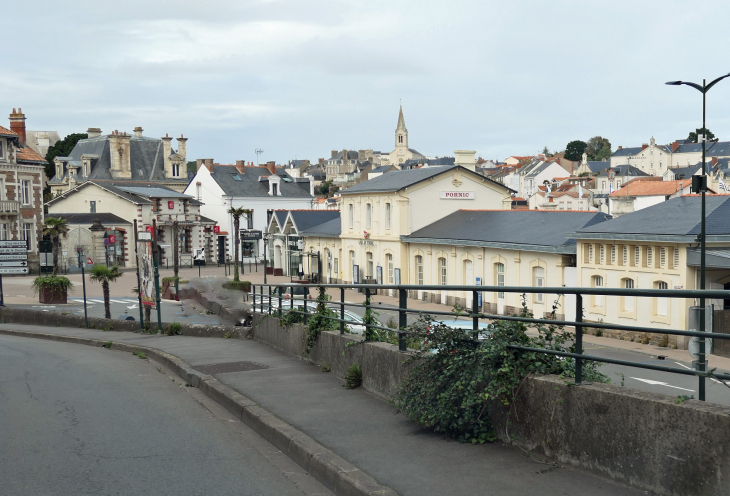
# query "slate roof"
(330, 229)
(105, 218)
(667, 220)
(685, 172)
(135, 191)
(307, 219)
(621, 170)
(536, 230)
(625, 152)
(720, 148)
(398, 180)
(153, 191)
(250, 184)
(598, 166)
(381, 168)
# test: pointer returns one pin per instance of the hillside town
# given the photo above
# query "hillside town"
(393, 217)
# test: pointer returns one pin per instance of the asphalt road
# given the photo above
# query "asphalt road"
(88, 421)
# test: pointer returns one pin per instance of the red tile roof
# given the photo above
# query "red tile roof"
(7, 132)
(28, 155)
(651, 188)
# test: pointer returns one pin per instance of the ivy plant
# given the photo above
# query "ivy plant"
(454, 377)
(320, 320)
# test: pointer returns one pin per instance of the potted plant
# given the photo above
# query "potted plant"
(52, 288)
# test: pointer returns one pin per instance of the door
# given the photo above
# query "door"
(468, 281)
(500, 295)
(221, 249)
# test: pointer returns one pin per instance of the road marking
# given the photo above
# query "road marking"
(711, 378)
(119, 301)
(132, 307)
(660, 383)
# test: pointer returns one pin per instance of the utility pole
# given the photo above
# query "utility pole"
(155, 257)
(176, 254)
(139, 286)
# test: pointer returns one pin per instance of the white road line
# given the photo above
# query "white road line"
(660, 383)
(712, 379)
(118, 301)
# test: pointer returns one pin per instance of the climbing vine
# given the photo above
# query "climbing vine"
(454, 377)
(318, 321)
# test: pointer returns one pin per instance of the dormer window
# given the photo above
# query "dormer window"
(175, 170)
(275, 189)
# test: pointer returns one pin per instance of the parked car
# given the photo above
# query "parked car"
(300, 293)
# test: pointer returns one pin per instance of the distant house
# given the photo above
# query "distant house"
(636, 195)
(122, 157)
(613, 178)
(380, 170)
(261, 189)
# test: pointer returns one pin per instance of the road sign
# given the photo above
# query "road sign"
(144, 236)
(14, 263)
(22, 256)
(112, 238)
(250, 235)
(13, 250)
(13, 243)
(14, 270)
(216, 229)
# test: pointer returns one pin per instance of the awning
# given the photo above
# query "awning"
(715, 257)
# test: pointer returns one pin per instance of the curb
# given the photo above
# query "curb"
(337, 474)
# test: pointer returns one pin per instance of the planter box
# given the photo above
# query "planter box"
(46, 295)
(269, 270)
(278, 272)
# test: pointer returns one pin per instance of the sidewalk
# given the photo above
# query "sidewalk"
(361, 428)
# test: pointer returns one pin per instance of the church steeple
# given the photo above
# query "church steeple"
(401, 133)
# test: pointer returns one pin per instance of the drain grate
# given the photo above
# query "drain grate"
(225, 368)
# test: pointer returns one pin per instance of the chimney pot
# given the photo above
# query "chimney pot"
(620, 147)
(138, 131)
(17, 124)
(93, 132)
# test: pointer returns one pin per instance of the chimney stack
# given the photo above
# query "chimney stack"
(93, 132)
(166, 152)
(240, 164)
(209, 163)
(675, 145)
(644, 147)
(714, 161)
(620, 147)
(198, 163)
(182, 148)
(334, 152)
(466, 159)
(272, 167)
(138, 131)
(17, 124)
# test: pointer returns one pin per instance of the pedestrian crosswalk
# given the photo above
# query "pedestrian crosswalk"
(94, 301)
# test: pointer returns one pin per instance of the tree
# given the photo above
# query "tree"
(55, 228)
(105, 275)
(546, 152)
(709, 135)
(574, 150)
(192, 168)
(237, 213)
(598, 148)
(61, 149)
(327, 189)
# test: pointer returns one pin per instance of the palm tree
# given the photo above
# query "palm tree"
(237, 213)
(105, 275)
(55, 228)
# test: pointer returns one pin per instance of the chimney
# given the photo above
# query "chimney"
(138, 131)
(466, 159)
(334, 152)
(320, 161)
(198, 163)
(240, 164)
(182, 148)
(93, 132)
(714, 161)
(620, 147)
(17, 124)
(166, 152)
(311, 185)
(272, 167)
(675, 145)
(208, 163)
(644, 147)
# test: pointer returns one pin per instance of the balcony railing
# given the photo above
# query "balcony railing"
(264, 297)
(9, 207)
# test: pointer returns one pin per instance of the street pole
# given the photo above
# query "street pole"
(155, 256)
(702, 361)
(83, 285)
(139, 287)
(266, 265)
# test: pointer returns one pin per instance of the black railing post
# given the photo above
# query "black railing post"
(342, 310)
(367, 309)
(578, 338)
(305, 308)
(280, 302)
(475, 314)
(291, 304)
(402, 318)
(269, 309)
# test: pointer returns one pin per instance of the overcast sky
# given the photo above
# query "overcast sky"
(299, 78)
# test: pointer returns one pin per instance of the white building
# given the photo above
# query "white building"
(260, 189)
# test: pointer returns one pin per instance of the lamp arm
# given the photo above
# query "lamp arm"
(713, 83)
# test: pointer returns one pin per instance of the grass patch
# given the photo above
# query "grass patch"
(174, 329)
(107, 345)
(238, 285)
(353, 377)
(139, 354)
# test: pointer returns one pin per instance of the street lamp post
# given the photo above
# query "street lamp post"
(702, 187)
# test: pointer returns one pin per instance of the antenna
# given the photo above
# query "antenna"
(259, 151)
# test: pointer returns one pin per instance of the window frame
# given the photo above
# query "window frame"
(419, 270)
(351, 215)
(538, 281)
(26, 196)
(368, 216)
(387, 215)
(443, 273)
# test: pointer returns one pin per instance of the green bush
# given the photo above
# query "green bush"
(239, 285)
(353, 377)
(318, 321)
(455, 378)
(174, 329)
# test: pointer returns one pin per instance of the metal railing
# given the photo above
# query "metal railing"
(701, 373)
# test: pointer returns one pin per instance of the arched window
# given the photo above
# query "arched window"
(468, 273)
(387, 215)
(368, 216)
(442, 271)
(389, 260)
(370, 264)
(627, 302)
(661, 303)
(352, 263)
(597, 283)
(538, 280)
(351, 215)
(419, 270)
(499, 278)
